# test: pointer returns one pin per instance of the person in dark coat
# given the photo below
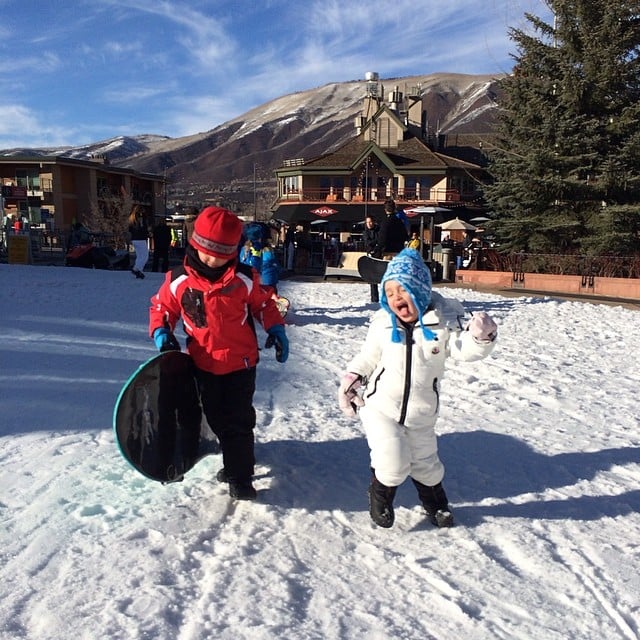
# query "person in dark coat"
(370, 240)
(161, 245)
(139, 237)
(393, 233)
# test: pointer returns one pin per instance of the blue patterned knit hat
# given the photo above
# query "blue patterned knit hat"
(410, 271)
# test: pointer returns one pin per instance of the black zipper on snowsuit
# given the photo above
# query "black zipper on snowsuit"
(408, 339)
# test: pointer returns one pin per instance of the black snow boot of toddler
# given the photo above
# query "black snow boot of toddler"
(381, 503)
(435, 503)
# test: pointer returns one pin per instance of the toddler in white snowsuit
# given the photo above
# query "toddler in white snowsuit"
(399, 370)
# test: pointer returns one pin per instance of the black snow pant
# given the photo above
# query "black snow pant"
(227, 402)
(160, 256)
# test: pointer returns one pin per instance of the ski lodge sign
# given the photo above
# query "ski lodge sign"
(324, 212)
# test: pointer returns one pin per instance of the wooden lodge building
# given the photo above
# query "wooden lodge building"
(389, 157)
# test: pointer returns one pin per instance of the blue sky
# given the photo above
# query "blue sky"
(76, 71)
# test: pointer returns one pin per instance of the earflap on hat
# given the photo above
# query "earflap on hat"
(410, 271)
(217, 232)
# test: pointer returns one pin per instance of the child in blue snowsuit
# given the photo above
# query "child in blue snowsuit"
(270, 272)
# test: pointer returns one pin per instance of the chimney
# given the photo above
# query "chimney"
(371, 101)
(99, 158)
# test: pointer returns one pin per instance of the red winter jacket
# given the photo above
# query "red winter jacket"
(218, 317)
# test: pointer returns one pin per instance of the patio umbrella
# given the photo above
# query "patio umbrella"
(416, 211)
(458, 224)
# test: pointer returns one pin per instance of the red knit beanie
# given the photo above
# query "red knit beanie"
(217, 232)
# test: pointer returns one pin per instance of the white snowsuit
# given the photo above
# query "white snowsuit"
(402, 389)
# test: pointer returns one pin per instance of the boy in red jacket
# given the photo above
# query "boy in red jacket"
(218, 300)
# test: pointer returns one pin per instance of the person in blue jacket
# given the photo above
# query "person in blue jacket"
(270, 271)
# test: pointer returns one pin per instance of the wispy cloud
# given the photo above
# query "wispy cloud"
(47, 62)
(177, 67)
(16, 117)
(135, 94)
(202, 36)
(21, 127)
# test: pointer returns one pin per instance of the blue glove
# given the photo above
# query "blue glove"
(165, 340)
(278, 338)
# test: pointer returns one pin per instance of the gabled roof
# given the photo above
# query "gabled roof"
(411, 154)
(387, 112)
(342, 158)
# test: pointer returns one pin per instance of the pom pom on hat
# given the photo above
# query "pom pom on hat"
(410, 271)
(217, 232)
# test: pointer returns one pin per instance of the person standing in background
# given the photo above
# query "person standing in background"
(393, 233)
(161, 245)
(370, 240)
(270, 272)
(414, 241)
(190, 215)
(139, 237)
(289, 246)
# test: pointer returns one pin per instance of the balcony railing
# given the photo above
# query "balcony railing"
(356, 195)
(35, 184)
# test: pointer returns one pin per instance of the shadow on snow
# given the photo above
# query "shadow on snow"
(480, 465)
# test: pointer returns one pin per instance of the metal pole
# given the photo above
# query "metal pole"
(255, 202)
(366, 186)
(165, 194)
(431, 230)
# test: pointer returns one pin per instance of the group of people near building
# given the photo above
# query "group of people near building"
(139, 235)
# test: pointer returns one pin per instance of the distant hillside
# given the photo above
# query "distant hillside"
(299, 125)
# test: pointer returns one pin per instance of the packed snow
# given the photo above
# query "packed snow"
(541, 443)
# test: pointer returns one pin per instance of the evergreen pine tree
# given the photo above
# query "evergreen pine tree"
(565, 164)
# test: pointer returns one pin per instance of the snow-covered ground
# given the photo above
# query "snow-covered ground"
(541, 442)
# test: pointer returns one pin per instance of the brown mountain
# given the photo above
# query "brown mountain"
(312, 122)
(240, 155)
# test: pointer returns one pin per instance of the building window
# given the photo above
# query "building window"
(291, 184)
(103, 187)
(29, 178)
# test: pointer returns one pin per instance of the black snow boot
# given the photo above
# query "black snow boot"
(242, 491)
(238, 490)
(381, 503)
(435, 503)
